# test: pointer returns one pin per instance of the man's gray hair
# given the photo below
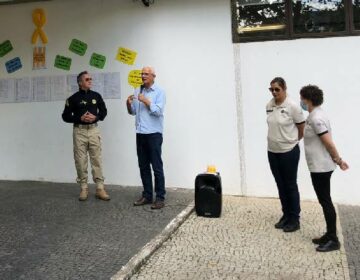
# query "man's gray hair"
(152, 69)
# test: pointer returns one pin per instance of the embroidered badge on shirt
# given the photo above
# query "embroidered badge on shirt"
(93, 101)
(284, 112)
(83, 102)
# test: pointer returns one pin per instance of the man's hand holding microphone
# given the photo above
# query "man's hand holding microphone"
(141, 97)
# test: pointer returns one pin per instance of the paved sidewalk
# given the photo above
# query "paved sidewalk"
(243, 244)
(46, 233)
(350, 222)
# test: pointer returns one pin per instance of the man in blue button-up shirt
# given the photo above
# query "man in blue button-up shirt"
(147, 104)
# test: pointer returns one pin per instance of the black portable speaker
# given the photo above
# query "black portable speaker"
(208, 199)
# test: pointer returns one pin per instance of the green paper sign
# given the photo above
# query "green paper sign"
(5, 48)
(97, 60)
(62, 62)
(78, 47)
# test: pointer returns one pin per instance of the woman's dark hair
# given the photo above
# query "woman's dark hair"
(280, 81)
(312, 93)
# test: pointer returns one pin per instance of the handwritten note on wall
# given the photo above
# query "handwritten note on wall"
(97, 60)
(126, 56)
(62, 62)
(134, 78)
(78, 47)
(13, 65)
(5, 48)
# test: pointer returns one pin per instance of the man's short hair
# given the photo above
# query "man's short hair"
(79, 76)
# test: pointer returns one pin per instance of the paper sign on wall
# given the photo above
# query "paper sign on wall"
(78, 47)
(97, 60)
(126, 56)
(5, 48)
(134, 78)
(39, 58)
(13, 65)
(62, 62)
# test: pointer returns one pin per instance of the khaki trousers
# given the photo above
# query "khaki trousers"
(88, 140)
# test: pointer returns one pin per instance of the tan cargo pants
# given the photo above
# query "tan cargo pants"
(87, 139)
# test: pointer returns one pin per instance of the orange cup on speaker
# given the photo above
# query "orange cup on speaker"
(211, 169)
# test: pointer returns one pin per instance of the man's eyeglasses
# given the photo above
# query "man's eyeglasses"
(88, 79)
(274, 89)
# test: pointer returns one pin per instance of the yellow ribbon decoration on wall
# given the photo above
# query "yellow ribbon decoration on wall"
(39, 19)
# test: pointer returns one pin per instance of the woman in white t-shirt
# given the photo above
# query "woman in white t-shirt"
(322, 158)
(285, 128)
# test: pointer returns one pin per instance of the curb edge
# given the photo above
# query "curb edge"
(145, 253)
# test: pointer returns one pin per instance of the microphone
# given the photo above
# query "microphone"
(141, 90)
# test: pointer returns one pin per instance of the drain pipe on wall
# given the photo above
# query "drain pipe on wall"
(240, 119)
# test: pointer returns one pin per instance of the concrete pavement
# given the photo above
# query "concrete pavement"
(243, 244)
(46, 233)
(350, 222)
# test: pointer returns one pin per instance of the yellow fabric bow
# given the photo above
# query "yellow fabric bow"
(39, 19)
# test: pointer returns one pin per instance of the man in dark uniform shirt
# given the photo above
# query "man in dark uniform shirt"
(84, 109)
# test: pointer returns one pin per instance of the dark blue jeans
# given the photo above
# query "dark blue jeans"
(148, 148)
(284, 167)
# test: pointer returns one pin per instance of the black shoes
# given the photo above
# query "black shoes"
(326, 243)
(287, 225)
(291, 226)
(321, 240)
(142, 201)
(281, 223)
(329, 246)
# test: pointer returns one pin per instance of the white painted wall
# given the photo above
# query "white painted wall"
(331, 64)
(189, 43)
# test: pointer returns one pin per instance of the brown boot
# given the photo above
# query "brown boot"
(84, 194)
(101, 194)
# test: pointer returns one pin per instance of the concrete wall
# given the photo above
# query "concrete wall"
(216, 94)
(189, 44)
(329, 63)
